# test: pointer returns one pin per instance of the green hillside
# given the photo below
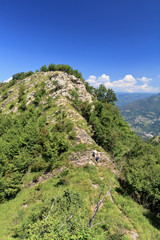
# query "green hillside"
(144, 115)
(125, 98)
(51, 185)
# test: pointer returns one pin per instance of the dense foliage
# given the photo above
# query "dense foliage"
(61, 67)
(142, 173)
(22, 75)
(26, 143)
(141, 161)
(105, 95)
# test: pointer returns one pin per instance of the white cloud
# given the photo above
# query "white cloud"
(99, 80)
(126, 84)
(129, 78)
(8, 80)
(104, 78)
(144, 79)
(97, 84)
(92, 79)
(143, 88)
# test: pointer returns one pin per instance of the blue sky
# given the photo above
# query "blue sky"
(114, 42)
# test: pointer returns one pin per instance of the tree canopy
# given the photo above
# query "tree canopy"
(105, 95)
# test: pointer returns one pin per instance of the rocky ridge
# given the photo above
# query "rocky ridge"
(57, 84)
(60, 86)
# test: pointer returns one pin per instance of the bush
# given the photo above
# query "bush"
(22, 107)
(38, 165)
(38, 95)
(35, 178)
(5, 95)
(21, 92)
(52, 67)
(22, 75)
(44, 69)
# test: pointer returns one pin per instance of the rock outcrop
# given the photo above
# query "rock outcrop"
(57, 84)
(62, 84)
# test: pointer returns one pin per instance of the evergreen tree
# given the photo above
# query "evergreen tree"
(105, 95)
(52, 67)
(44, 68)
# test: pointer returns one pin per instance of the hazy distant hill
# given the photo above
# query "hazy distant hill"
(144, 115)
(126, 98)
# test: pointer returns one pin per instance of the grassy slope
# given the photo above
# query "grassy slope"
(121, 210)
(145, 105)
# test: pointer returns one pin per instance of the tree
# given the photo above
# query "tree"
(111, 96)
(106, 95)
(65, 68)
(22, 75)
(52, 67)
(44, 68)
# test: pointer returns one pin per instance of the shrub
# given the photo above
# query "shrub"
(22, 75)
(21, 92)
(23, 106)
(44, 69)
(5, 95)
(52, 67)
(38, 95)
(35, 178)
(38, 165)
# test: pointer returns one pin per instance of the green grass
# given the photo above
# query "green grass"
(124, 211)
(137, 215)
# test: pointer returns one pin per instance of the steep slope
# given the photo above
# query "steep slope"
(144, 115)
(50, 182)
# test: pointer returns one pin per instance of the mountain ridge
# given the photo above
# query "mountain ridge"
(124, 98)
(49, 127)
(144, 115)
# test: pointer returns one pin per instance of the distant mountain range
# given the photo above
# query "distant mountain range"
(143, 115)
(126, 98)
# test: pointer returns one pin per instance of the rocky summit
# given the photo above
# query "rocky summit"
(57, 84)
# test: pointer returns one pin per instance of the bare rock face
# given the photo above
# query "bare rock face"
(62, 84)
(86, 157)
(82, 136)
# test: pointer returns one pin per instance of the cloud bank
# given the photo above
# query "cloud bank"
(126, 84)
